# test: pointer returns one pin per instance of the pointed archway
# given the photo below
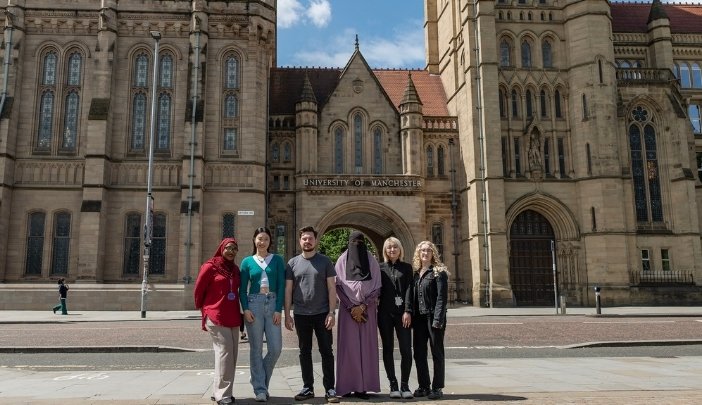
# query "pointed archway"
(530, 260)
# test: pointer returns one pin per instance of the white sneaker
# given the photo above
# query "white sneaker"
(406, 393)
(395, 394)
(262, 397)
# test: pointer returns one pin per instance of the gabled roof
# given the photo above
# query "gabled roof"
(633, 17)
(287, 87)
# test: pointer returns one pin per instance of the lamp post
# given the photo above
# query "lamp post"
(148, 224)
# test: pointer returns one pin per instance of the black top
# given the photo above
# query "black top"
(63, 290)
(431, 296)
(396, 290)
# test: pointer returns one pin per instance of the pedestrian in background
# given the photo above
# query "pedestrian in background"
(63, 294)
(430, 296)
(395, 315)
(310, 287)
(262, 294)
(216, 295)
(358, 285)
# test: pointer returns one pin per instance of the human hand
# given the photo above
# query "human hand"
(249, 316)
(406, 320)
(276, 318)
(329, 322)
(356, 312)
(289, 322)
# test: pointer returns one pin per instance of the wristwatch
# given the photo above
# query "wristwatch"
(332, 312)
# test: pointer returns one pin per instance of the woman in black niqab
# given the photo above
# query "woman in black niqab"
(357, 267)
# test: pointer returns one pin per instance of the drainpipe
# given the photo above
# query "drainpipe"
(191, 176)
(483, 171)
(8, 56)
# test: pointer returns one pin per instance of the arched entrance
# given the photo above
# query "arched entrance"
(530, 261)
(376, 221)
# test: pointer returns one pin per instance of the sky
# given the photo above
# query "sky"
(321, 33)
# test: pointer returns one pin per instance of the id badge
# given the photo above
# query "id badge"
(231, 296)
(398, 301)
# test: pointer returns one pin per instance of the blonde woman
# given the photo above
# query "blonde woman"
(429, 298)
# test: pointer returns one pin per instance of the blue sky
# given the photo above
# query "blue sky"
(321, 33)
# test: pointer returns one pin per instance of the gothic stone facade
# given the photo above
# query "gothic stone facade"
(568, 131)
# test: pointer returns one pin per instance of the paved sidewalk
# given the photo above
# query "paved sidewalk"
(542, 381)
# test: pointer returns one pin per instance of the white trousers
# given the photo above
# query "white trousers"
(225, 342)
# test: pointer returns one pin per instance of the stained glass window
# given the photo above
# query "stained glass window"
(49, 74)
(141, 71)
(74, 68)
(232, 73)
(157, 261)
(504, 53)
(230, 106)
(164, 122)
(46, 118)
(132, 244)
(35, 243)
(61, 243)
(70, 125)
(275, 152)
(230, 139)
(138, 122)
(165, 73)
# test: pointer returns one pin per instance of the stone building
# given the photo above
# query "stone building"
(568, 140)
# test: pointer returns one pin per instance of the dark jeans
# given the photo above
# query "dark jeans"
(423, 334)
(389, 325)
(305, 325)
(62, 307)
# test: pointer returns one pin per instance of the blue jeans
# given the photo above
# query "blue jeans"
(263, 306)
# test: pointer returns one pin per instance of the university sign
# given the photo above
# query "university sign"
(403, 182)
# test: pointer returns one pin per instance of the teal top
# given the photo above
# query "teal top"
(251, 279)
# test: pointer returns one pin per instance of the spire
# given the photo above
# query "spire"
(657, 11)
(356, 43)
(411, 95)
(307, 91)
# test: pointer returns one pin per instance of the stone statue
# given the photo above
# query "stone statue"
(535, 152)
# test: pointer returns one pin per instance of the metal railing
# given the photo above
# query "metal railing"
(661, 278)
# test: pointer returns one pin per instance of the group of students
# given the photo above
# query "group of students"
(405, 302)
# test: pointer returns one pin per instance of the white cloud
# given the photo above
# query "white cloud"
(319, 12)
(293, 12)
(289, 13)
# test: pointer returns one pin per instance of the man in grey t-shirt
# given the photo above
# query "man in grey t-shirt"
(310, 286)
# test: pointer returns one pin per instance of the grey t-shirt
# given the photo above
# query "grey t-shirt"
(309, 277)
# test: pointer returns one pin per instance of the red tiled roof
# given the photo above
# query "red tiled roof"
(633, 17)
(286, 88)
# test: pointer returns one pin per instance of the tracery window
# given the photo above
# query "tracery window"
(430, 161)
(505, 53)
(377, 150)
(358, 143)
(644, 165)
(231, 108)
(526, 54)
(287, 152)
(339, 150)
(164, 115)
(139, 91)
(546, 53)
(440, 161)
(132, 244)
(275, 152)
(61, 243)
(228, 222)
(35, 243)
(157, 261)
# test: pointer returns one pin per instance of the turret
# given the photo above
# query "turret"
(411, 118)
(306, 118)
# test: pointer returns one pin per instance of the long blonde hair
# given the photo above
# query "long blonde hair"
(393, 241)
(436, 262)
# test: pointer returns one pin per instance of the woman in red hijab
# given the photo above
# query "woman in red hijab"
(216, 295)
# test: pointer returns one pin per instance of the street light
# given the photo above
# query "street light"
(148, 224)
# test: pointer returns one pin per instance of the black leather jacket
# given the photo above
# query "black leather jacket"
(431, 296)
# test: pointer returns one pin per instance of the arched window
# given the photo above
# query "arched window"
(557, 104)
(275, 152)
(644, 165)
(440, 161)
(526, 54)
(437, 237)
(61, 243)
(546, 53)
(165, 74)
(543, 98)
(430, 161)
(287, 152)
(74, 69)
(377, 151)
(157, 261)
(515, 103)
(70, 121)
(501, 100)
(231, 105)
(132, 244)
(338, 150)
(529, 104)
(47, 90)
(694, 111)
(358, 143)
(35, 243)
(505, 54)
(228, 225)
(163, 122)
(139, 91)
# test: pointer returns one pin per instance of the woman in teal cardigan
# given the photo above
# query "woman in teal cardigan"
(262, 293)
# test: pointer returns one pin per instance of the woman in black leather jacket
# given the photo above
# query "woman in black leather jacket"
(430, 296)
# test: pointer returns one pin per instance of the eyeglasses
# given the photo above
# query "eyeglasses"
(231, 248)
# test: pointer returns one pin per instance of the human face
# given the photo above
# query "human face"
(230, 251)
(392, 251)
(308, 242)
(426, 254)
(262, 241)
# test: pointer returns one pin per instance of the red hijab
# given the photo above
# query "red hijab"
(223, 266)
